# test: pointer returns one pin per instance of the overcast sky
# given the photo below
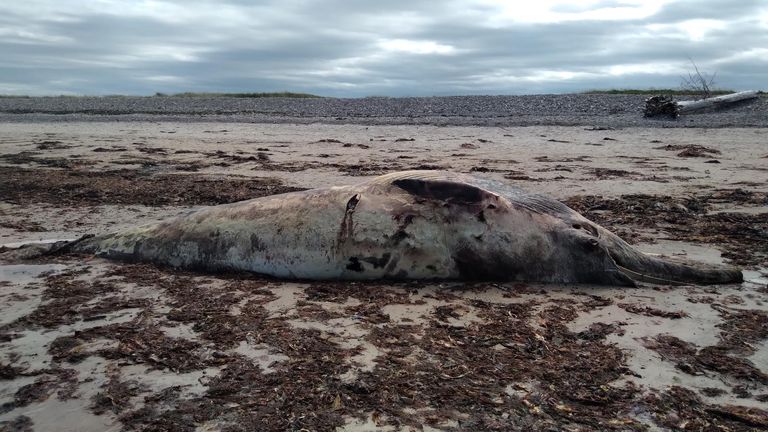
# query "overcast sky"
(377, 47)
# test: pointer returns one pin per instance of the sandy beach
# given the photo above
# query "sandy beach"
(91, 345)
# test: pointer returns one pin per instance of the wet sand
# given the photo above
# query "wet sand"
(87, 344)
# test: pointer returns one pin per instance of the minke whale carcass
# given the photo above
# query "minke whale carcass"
(405, 225)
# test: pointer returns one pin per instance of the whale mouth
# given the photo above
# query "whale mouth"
(641, 267)
(640, 277)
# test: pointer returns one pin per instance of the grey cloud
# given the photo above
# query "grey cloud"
(333, 48)
(710, 9)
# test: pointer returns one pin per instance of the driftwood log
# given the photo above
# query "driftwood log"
(666, 106)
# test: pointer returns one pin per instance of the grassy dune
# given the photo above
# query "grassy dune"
(243, 95)
(185, 94)
(666, 91)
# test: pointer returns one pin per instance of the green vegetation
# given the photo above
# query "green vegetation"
(671, 92)
(185, 94)
(243, 95)
(9, 96)
(71, 96)
(667, 91)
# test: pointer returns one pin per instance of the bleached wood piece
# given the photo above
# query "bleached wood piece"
(688, 106)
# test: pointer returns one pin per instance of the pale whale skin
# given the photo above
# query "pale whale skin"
(407, 225)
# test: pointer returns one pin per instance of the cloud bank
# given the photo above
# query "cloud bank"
(353, 48)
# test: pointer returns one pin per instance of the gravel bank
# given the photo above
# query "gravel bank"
(564, 110)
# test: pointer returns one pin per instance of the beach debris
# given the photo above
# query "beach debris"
(662, 105)
(690, 150)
